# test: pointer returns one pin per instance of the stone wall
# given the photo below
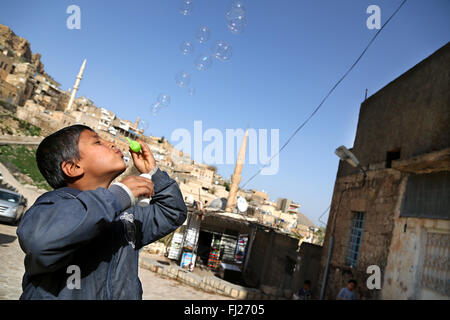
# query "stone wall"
(378, 199)
(409, 114)
(272, 261)
(308, 264)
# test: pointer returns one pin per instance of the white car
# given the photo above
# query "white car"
(12, 206)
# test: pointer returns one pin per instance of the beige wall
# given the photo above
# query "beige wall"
(403, 273)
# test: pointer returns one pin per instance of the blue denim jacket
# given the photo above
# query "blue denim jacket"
(92, 231)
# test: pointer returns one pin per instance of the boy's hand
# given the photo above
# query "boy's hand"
(139, 186)
(144, 160)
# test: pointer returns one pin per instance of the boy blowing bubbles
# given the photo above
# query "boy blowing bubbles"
(88, 223)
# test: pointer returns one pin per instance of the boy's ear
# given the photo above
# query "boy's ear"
(72, 169)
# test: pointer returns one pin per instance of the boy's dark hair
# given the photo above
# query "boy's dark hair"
(352, 281)
(307, 282)
(55, 149)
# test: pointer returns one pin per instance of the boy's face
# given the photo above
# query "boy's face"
(350, 286)
(306, 286)
(98, 157)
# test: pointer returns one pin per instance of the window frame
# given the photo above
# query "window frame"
(357, 223)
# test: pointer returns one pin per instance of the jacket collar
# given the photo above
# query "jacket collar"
(72, 191)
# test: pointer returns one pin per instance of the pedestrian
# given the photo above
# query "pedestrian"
(304, 293)
(348, 293)
(90, 225)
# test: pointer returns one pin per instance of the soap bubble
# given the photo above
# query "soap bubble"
(164, 99)
(237, 4)
(237, 26)
(202, 34)
(191, 91)
(187, 47)
(186, 7)
(143, 125)
(182, 79)
(222, 50)
(203, 62)
(156, 107)
(236, 17)
(235, 14)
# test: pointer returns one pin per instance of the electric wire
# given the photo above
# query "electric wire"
(327, 95)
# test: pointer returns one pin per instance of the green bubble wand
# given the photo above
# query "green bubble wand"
(134, 145)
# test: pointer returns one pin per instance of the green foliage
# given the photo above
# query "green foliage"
(23, 158)
(22, 126)
(29, 129)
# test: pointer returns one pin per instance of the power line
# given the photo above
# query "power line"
(327, 95)
(323, 214)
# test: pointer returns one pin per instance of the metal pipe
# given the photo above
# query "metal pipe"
(325, 275)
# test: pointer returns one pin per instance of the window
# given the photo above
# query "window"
(435, 270)
(392, 155)
(355, 239)
(426, 196)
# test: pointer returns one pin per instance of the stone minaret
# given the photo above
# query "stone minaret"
(76, 86)
(236, 177)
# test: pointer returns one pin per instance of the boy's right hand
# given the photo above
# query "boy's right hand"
(139, 186)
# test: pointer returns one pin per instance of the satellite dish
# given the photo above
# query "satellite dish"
(218, 204)
(190, 199)
(242, 204)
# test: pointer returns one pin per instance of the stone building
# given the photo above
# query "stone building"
(397, 216)
(48, 121)
(25, 87)
(6, 64)
(8, 92)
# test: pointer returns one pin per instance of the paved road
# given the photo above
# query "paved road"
(11, 264)
(154, 286)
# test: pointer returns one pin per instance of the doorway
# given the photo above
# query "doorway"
(204, 246)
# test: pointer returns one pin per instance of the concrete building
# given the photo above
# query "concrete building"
(398, 216)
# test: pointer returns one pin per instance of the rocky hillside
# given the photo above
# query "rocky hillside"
(21, 48)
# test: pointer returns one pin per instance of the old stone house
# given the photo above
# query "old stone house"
(398, 216)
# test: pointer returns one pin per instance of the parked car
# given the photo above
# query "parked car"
(12, 206)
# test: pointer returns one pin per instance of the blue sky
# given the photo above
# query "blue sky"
(284, 63)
